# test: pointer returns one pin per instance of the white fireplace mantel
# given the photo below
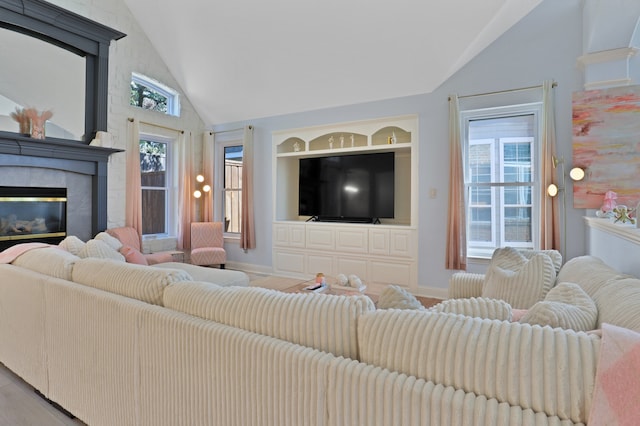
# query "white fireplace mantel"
(618, 245)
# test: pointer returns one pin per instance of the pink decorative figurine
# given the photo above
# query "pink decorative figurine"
(609, 204)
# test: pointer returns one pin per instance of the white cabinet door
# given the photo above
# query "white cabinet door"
(348, 266)
(320, 238)
(391, 273)
(297, 236)
(285, 261)
(401, 243)
(288, 235)
(379, 241)
(351, 240)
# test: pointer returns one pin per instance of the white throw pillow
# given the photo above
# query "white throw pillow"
(112, 241)
(518, 280)
(101, 250)
(395, 297)
(72, 244)
(566, 306)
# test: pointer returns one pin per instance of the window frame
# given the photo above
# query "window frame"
(220, 194)
(498, 202)
(172, 95)
(169, 185)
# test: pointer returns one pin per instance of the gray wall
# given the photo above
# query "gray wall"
(543, 46)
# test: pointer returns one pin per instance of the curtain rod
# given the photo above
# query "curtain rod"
(497, 92)
(230, 130)
(131, 119)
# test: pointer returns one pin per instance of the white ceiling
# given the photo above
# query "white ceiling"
(244, 59)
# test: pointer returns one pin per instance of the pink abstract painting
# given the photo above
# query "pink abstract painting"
(606, 144)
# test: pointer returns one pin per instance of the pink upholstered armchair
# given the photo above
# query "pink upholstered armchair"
(128, 236)
(207, 243)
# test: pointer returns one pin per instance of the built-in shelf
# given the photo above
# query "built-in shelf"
(380, 254)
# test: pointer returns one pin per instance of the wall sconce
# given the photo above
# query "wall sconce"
(203, 188)
(553, 190)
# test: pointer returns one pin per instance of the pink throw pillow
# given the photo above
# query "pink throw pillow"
(132, 255)
(517, 314)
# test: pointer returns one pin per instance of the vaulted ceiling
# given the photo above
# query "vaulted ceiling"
(245, 59)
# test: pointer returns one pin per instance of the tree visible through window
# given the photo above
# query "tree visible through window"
(232, 200)
(152, 95)
(500, 148)
(155, 183)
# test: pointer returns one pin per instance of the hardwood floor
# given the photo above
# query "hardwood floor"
(21, 406)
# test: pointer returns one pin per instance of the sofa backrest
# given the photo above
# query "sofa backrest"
(617, 296)
(589, 272)
(127, 279)
(52, 261)
(324, 322)
(539, 368)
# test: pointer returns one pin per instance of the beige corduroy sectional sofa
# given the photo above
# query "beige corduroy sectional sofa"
(122, 344)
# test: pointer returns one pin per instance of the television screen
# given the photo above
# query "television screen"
(347, 187)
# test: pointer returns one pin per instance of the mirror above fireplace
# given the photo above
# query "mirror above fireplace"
(77, 38)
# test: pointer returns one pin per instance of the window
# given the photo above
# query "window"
(149, 94)
(155, 181)
(501, 146)
(232, 188)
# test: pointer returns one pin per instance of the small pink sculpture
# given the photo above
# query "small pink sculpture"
(609, 204)
(37, 121)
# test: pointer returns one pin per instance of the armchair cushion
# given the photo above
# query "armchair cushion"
(128, 236)
(518, 280)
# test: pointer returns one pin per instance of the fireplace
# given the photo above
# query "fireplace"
(32, 214)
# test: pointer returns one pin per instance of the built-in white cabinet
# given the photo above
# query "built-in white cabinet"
(380, 254)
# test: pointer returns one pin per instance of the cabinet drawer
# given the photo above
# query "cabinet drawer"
(320, 238)
(286, 235)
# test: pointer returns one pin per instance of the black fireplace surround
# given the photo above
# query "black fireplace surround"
(91, 40)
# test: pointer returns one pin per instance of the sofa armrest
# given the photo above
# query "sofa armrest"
(463, 285)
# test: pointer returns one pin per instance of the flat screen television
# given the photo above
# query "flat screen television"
(347, 188)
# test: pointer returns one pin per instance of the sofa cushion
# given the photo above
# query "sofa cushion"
(324, 322)
(223, 277)
(395, 297)
(518, 280)
(51, 261)
(588, 272)
(127, 279)
(101, 250)
(618, 301)
(476, 307)
(72, 244)
(566, 306)
(556, 367)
